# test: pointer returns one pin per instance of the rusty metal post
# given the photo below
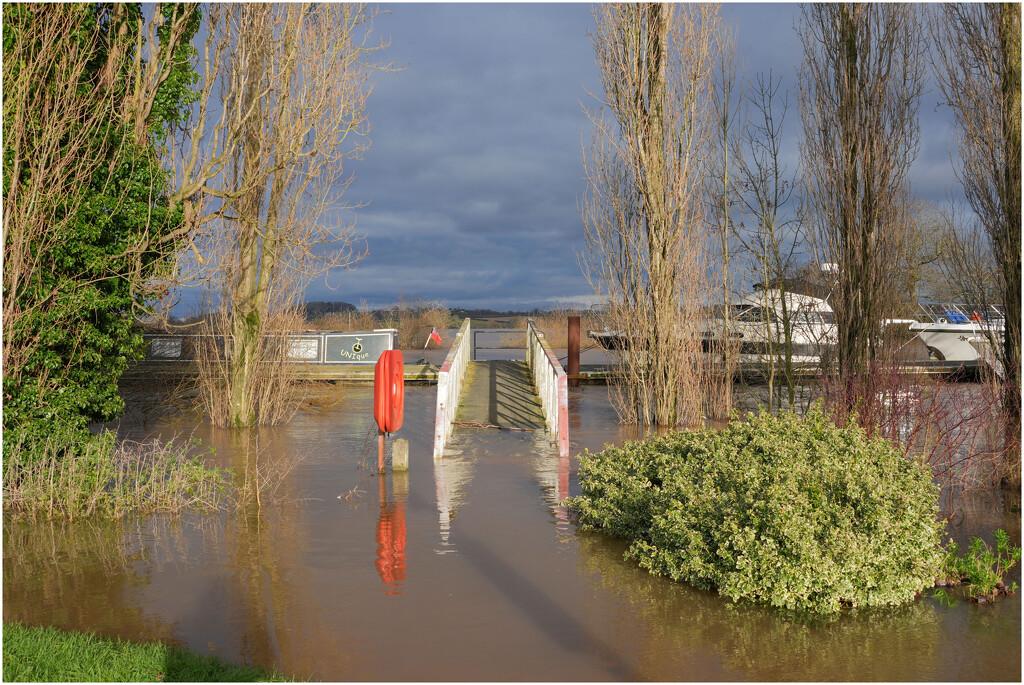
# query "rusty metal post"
(380, 451)
(574, 351)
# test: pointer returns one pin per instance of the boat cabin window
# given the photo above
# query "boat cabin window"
(751, 313)
(817, 317)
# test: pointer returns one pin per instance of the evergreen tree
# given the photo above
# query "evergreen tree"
(85, 196)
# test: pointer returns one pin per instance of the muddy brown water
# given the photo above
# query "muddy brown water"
(465, 568)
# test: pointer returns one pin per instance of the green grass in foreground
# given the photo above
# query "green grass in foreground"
(51, 655)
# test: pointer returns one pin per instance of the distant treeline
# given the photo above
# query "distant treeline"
(315, 310)
(488, 313)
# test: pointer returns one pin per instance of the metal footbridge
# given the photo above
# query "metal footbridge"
(501, 393)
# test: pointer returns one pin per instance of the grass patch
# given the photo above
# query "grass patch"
(51, 655)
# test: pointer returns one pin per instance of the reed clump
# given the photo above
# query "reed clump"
(958, 430)
(360, 320)
(269, 379)
(262, 475)
(72, 477)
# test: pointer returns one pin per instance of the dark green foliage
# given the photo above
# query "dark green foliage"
(789, 511)
(75, 302)
(49, 655)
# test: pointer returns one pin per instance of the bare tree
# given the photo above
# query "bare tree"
(978, 62)
(860, 87)
(55, 148)
(966, 267)
(921, 274)
(726, 98)
(643, 212)
(278, 105)
(775, 233)
(302, 70)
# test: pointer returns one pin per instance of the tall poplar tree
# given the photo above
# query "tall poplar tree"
(860, 89)
(647, 236)
(978, 62)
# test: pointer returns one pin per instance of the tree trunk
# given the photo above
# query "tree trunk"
(1009, 250)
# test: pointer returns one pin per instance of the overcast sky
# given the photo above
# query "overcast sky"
(474, 174)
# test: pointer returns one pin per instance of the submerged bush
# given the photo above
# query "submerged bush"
(789, 511)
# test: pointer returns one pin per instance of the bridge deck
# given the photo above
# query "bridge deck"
(500, 393)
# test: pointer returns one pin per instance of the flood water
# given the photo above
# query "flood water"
(466, 568)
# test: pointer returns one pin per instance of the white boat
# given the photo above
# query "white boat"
(953, 328)
(757, 322)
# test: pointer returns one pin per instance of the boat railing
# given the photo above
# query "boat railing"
(957, 313)
(305, 347)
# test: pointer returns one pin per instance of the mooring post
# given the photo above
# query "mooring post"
(400, 455)
(574, 351)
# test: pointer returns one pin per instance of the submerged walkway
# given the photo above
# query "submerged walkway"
(500, 393)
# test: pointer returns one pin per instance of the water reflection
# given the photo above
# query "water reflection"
(321, 587)
(674, 622)
(551, 473)
(390, 561)
(452, 473)
(85, 575)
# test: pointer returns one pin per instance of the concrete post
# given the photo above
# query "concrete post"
(400, 455)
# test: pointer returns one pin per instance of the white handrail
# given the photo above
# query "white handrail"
(551, 384)
(449, 387)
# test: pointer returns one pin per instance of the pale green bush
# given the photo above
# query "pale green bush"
(789, 511)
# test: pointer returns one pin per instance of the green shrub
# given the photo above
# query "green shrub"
(789, 511)
(981, 568)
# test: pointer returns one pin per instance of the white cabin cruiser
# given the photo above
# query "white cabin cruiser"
(953, 328)
(757, 321)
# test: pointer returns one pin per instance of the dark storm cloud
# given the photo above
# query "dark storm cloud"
(474, 174)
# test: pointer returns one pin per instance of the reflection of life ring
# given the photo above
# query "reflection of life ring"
(391, 559)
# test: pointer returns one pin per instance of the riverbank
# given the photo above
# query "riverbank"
(45, 654)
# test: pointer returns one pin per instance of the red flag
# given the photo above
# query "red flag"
(434, 335)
